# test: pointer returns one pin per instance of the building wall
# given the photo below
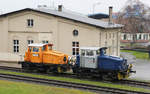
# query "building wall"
(88, 35)
(56, 30)
(42, 23)
(3, 34)
(17, 29)
(111, 38)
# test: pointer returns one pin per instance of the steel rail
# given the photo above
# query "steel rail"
(70, 84)
(134, 82)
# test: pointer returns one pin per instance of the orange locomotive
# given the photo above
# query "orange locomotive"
(42, 57)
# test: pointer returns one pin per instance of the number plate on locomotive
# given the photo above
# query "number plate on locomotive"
(35, 55)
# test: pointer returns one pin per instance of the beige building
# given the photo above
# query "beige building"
(66, 31)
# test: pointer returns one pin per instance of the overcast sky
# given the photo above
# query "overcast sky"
(81, 6)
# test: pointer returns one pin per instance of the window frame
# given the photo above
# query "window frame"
(75, 48)
(16, 46)
(125, 37)
(30, 41)
(30, 22)
(35, 49)
(75, 32)
(90, 53)
(45, 41)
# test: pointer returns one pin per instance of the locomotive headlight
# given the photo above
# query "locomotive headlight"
(130, 66)
(65, 59)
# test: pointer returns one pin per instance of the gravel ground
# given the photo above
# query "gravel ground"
(142, 67)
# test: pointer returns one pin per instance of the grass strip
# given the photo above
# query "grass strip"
(10, 87)
(125, 87)
(139, 55)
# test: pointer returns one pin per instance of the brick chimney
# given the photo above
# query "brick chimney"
(60, 7)
(110, 14)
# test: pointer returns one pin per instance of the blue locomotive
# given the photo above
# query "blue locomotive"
(93, 61)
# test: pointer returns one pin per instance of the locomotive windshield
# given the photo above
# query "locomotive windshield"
(97, 52)
(35, 49)
(83, 52)
(89, 53)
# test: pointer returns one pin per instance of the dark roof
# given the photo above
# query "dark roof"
(82, 19)
(98, 16)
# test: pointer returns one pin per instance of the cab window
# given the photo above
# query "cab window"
(83, 52)
(89, 53)
(35, 49)
(49, 47)
(43, 48)
(30, 48)
(98, 52)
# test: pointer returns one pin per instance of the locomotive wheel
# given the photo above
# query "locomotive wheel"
(25, 67)
(120, 76)
(108, 77)
(105, 77)
(59, 69)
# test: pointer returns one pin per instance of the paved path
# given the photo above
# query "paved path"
(142, 67)
(10, 64)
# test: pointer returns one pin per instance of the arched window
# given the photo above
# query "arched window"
(75, 32)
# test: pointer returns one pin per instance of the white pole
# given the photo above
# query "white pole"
(94, 5)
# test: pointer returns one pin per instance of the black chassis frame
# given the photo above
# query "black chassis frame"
(43, 67)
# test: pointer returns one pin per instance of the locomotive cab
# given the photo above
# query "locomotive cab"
(89, 57)
(34, 52)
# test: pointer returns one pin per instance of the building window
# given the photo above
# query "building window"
(30, 41)
(124, 37)
(140, 37)
(45, 41)
(75, 32)
(136, 37)
(75, 48)
(16, 46)
(30, 22)
(145, 37)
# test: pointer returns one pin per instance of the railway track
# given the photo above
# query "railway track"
(127, 82)
(93, 88)
(140, 83)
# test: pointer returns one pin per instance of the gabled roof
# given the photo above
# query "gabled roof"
(70, 16)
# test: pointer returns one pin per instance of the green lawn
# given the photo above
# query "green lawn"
(9, 87)
(79, 81)
(139, 55)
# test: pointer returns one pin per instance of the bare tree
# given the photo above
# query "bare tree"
(133, 17)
